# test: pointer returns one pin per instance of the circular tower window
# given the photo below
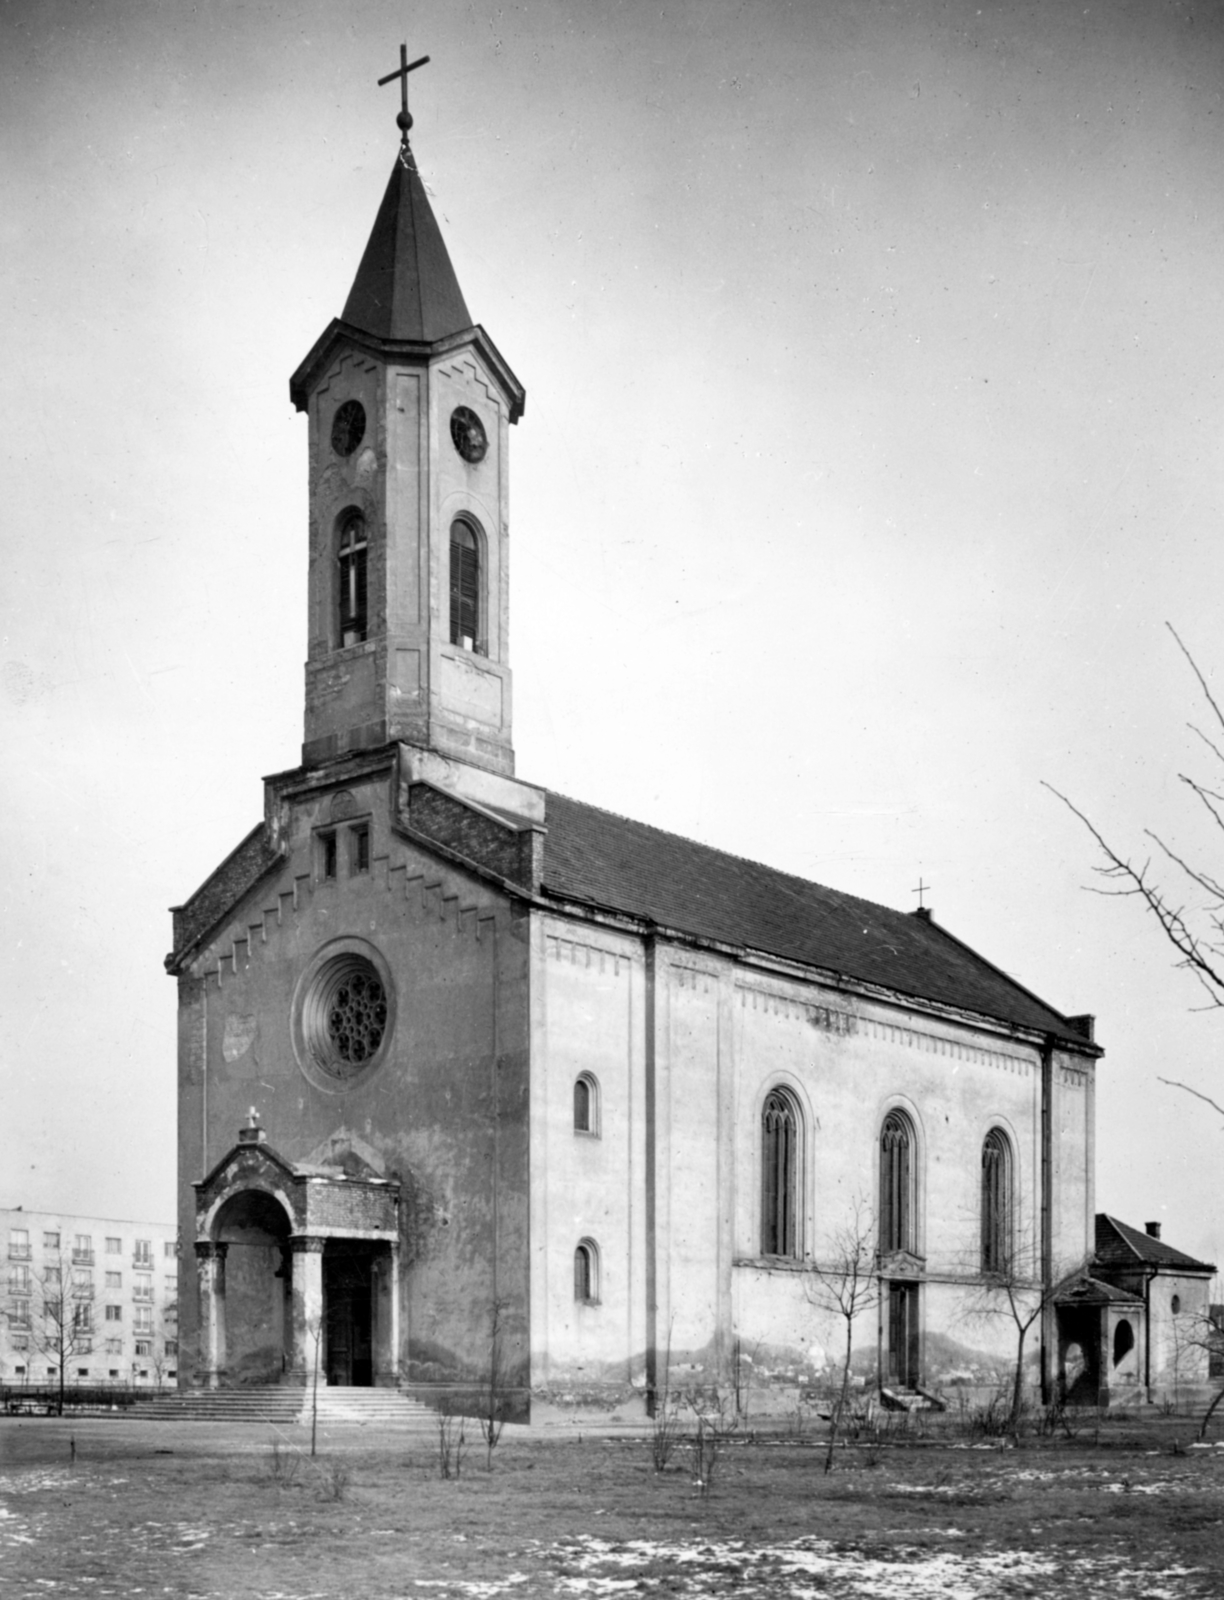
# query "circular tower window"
(344, 1014)
(348, 427)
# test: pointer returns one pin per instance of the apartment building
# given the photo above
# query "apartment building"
(97, 1296)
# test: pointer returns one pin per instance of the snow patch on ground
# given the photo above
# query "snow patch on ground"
(708, 1569)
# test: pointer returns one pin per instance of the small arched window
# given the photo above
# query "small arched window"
(1123, 1342)
(351, 562)
(996, 1202)
(1175, 1305)
(896, 1184)
(779, 1175)
(586, 1104)
(586, 1273)
(466, 587)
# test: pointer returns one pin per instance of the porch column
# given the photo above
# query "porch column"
(387, 1318)
(306, 1333)
(210, 1265)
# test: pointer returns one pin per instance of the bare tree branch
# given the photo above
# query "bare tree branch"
(1211, 745)
(1202, 953)
(1195, 953)
(1197, 1093)
(1207, 694)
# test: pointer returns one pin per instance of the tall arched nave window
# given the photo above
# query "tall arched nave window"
(896, 1184)
(996, 1202)
(780, 1130)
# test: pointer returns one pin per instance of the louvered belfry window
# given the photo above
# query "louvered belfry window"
(779, 1175)
(996, 1203)
(352, 580)
(465, 587)
(896, 1184)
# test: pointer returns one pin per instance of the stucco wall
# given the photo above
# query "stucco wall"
(723, 1036)
(587, 1006)
(446, 1110)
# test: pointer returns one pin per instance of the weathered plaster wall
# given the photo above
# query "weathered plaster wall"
(445, 1110)
(685, 1225)
(1179, 1359)
(588, 994)
(1072, 1149)
(406, 680)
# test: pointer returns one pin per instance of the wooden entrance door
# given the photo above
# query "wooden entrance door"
(348, 1316)
(902, 1364)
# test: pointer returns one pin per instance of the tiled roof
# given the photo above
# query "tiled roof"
(612, 862)
(1118, 1245)
(1083, 1289)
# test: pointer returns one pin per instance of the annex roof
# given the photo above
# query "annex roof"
(607, 861)
(1085, 1290)
(406, 288)
(1119, 1245)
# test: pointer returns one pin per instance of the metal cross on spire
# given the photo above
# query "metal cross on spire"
(404, 120)
(920, 891)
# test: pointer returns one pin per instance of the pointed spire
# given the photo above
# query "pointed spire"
(405, 287)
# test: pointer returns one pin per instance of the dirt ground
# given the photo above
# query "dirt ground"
(1132, 1511)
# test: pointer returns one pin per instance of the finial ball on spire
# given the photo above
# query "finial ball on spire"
(404, 121)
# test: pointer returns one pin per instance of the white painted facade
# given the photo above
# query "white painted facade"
(685, 1046)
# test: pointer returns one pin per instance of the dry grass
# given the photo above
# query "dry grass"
(1126, 1518)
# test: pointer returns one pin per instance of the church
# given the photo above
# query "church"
(479, 1081)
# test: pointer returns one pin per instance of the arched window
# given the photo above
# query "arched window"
(896, 1184)
(465, 587)
(351, 561)
(779, 1175)
(586, 1104)
(996, 1202)
(586, 1273)
(1124, 1341)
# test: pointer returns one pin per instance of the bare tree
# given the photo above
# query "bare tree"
(1187, 901)
(1013, 1291)
(62, 1320)
(493, 1396)
(847, 1284)
(1199, 1332)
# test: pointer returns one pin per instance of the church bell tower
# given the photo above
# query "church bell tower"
(409, 406)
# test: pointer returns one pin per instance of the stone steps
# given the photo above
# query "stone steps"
(914, 1399)
(287, 1406)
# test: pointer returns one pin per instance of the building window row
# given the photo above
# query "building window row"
(781, 1186)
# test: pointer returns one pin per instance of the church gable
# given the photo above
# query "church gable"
(325, 844)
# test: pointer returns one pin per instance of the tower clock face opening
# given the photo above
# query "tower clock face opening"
(468, 434)
(348, 427)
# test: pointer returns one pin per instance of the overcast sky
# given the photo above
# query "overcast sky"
(873, 435)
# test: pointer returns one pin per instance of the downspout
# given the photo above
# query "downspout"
(204, 1075)
(652, 1281)
(1147, 1332)
(495, 1087)
(1047, 1214)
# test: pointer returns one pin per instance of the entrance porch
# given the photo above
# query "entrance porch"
(298, 1272)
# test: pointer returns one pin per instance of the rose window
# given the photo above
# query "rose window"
(357, 1018)
(345, 1017)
